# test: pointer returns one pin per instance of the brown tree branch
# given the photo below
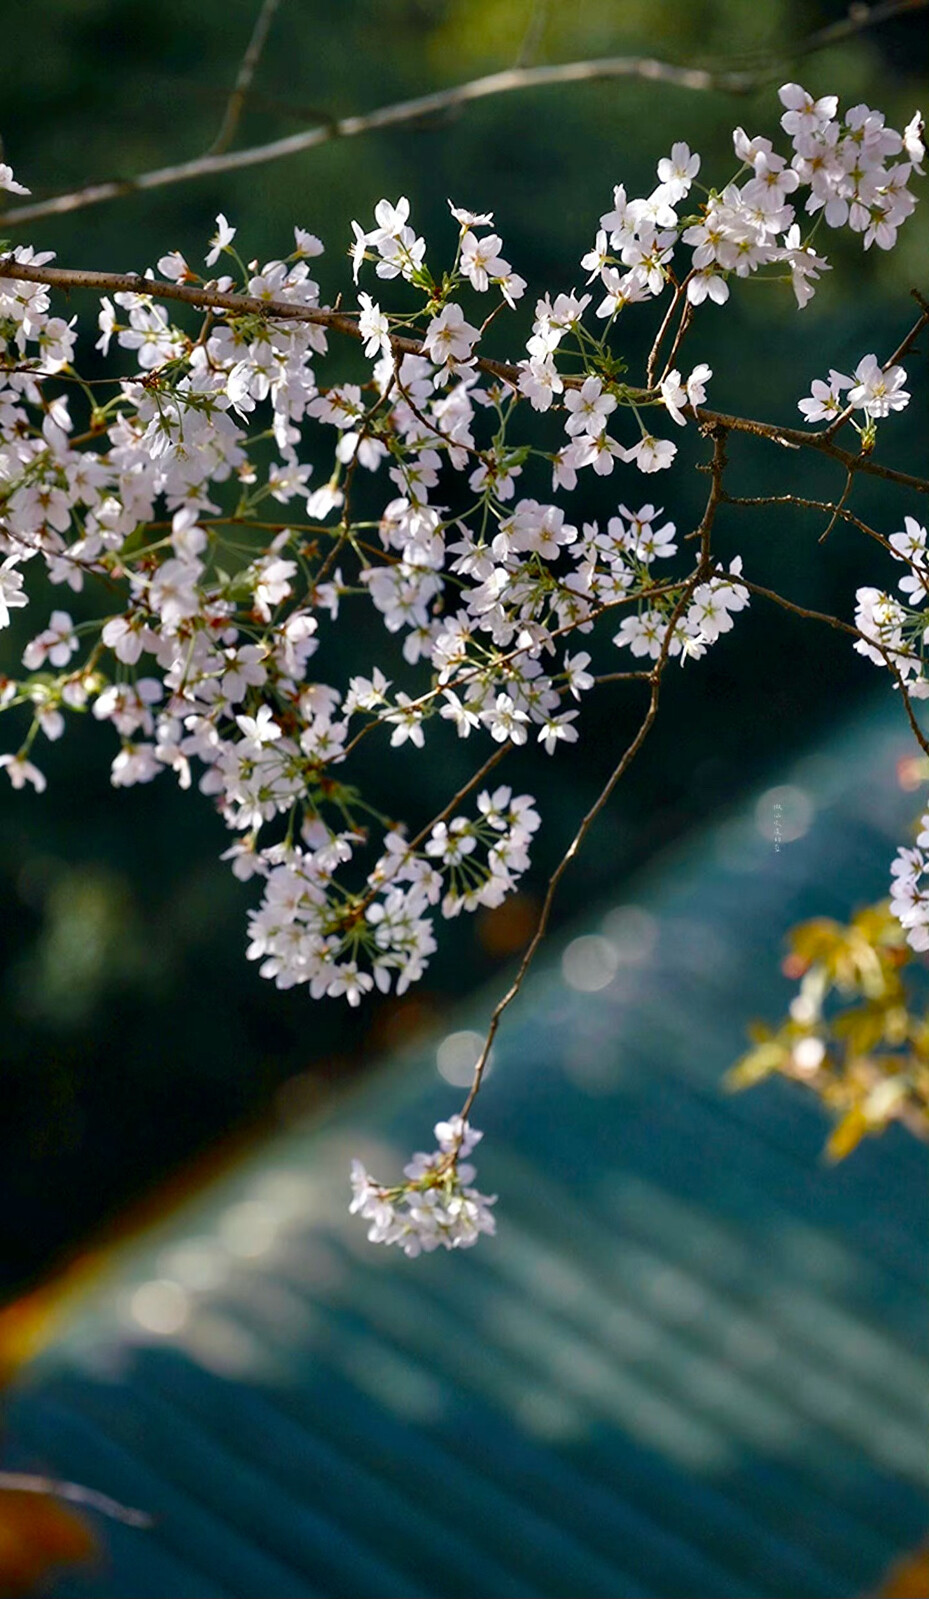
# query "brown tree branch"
(794, 438)
(804, 503)
(321, 316)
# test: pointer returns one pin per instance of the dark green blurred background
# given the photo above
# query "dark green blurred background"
(134, 1033)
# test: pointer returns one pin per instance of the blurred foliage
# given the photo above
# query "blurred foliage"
(908, 1578)
(857, 1033)
(38, 1538)
(134, 1031)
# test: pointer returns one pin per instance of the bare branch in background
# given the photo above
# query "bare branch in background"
(75, 1494)
(860, 16)
(405, 111)
(244, 78)
(535, 31)
(385, 117)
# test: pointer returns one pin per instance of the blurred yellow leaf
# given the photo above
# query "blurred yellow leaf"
(847, 1134)
(755, 1066)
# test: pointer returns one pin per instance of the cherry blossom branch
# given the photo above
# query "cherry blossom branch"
(201, 297)
(509, 582)
(796, 439)
(322, 316)
(208, 297)
(483, 771)
(26, 1482)
(243, 82)
(469, 675)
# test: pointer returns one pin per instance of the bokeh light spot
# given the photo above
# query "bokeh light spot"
(589, 963)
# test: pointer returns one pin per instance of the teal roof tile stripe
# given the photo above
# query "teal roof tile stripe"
(692, 1365)
(289, 1451)
(191, 1532)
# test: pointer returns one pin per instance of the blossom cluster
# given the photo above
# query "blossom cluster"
(894, 633)
(873, 389)
(909, 892)
(436, 1207)
(210, 563)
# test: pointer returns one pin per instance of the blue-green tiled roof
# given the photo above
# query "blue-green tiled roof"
(693, 1361)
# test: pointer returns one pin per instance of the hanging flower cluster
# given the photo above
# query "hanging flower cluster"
(214, 564)
(435, 1207)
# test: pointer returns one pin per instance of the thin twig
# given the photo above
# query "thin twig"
(855, 632)
(686, 319)
(429, 423)
(534, 34)
(802, 502)
(859, 17)
(659, 336)
(483, 771)
(703, 570)
(344, 533)
(804, 611)
(472, 674)
(917, 731)
(849, 483)
(76, 1494)
(244, 78)
(902, 349)
(586, 823)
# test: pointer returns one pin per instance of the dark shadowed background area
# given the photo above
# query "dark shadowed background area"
(133, 1032)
